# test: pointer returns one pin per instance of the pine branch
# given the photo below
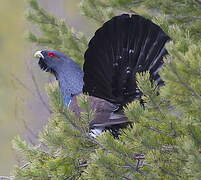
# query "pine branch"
(182, 82)
(56, 34)
(188, 17)
(162, 144)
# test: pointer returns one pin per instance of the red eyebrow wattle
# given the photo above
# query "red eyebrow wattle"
(51, 54)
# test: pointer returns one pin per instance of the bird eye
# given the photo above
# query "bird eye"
(51, 54)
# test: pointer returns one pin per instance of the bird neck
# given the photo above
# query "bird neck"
(70, 77)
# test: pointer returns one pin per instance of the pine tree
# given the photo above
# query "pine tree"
(165, 140)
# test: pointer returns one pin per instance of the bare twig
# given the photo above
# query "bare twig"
(24, 123)
(29, 129)
(126, 167)
(159, 131)
(184, 84)
(22, 84)
(25, 165)
(38, 90)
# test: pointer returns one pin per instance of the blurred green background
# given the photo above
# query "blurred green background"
(21, 111)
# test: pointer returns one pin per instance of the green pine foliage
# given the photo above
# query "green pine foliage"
(56, 34)
(164, 141)
(65, 145)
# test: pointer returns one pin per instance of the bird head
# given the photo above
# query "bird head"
(50, 60)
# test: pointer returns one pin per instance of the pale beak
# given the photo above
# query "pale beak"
(38, 54)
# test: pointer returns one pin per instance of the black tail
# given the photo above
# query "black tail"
(121, 47)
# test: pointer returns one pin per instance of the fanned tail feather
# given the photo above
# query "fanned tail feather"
(119, 49)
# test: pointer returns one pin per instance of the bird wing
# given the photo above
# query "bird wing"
(104, 112)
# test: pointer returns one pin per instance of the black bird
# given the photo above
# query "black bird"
(119, 49)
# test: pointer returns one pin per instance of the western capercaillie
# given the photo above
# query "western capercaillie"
(122, 47)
